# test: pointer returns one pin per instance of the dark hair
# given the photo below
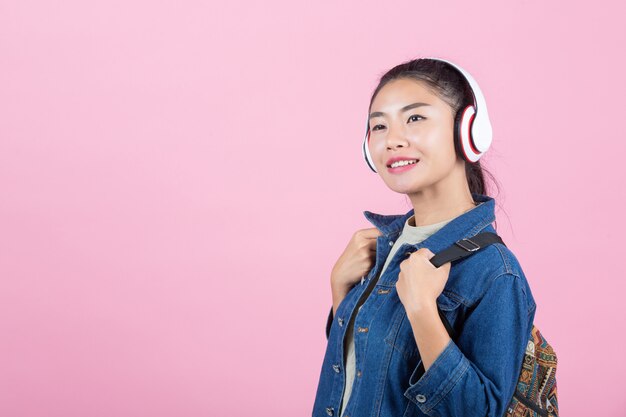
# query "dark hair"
(450, 85)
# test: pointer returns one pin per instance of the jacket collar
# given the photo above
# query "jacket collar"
(464, 226)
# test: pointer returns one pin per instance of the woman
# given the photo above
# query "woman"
(388, 352)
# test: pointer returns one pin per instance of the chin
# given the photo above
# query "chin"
(405, 188)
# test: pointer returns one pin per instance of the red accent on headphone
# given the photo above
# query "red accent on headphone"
(471, 141)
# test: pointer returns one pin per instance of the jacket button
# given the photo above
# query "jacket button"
(363, 329)
(340, 321)
(336, 368)
(358, 373)
(329, 411)
(420, 398)
(391, 243)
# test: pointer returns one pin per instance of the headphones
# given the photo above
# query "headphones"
(472, 129)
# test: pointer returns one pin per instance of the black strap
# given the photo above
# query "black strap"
(465, 247)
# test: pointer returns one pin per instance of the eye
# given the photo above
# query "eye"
(374, 128)
(415, 115)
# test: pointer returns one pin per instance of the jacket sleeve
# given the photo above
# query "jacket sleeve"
(477, 374)
(329, 322)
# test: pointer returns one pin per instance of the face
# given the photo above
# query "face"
(410, 122)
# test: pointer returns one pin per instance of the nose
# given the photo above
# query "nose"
(395, 136)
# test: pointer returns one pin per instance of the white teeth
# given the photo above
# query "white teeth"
(403, 163)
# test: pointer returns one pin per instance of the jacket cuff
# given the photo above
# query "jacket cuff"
(329, 322)
(434, 384)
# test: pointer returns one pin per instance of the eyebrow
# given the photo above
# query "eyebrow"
(403, 109)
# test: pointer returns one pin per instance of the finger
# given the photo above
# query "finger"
(425, 252)
(371, 245)
(445, 267)
(370, 238)
(370, 233)
(426, 255)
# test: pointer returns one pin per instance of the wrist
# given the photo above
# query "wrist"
(337, 286)
(422, 308)
(339, 290)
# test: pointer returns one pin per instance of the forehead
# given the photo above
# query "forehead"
(397, 93)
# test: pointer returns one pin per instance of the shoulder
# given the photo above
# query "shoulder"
(473, 276)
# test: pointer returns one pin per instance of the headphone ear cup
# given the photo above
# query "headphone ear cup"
(458, 146)
(464, 131)
(366, 150)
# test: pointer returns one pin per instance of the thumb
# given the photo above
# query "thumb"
(427, 253)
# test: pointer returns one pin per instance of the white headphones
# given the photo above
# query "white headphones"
(471, 125)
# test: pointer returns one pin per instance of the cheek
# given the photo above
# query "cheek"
(442, 145)
(439, 149)
(377, 150)
(447, 159)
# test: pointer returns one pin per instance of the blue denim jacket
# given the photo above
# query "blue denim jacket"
(486, 299)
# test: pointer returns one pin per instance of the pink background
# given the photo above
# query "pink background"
(177, 179)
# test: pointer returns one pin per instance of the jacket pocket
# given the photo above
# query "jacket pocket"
(400, 335)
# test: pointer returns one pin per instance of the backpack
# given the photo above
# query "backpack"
(535, 394)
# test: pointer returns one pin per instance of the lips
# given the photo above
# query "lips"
(403, 168)
(400, 158)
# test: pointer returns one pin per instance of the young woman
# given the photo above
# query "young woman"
(389, 353)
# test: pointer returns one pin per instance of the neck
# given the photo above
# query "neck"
(442, 201)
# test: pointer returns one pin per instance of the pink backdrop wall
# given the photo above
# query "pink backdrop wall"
(177, 179)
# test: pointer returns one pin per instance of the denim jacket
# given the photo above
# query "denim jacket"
(487, 301)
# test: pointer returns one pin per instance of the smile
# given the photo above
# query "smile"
(402, 166)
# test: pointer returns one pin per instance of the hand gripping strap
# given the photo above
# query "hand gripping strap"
(460, 249)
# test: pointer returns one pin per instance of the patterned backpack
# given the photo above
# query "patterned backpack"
(535, 395)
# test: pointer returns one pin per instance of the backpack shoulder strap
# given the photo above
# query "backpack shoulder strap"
(465, 247)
